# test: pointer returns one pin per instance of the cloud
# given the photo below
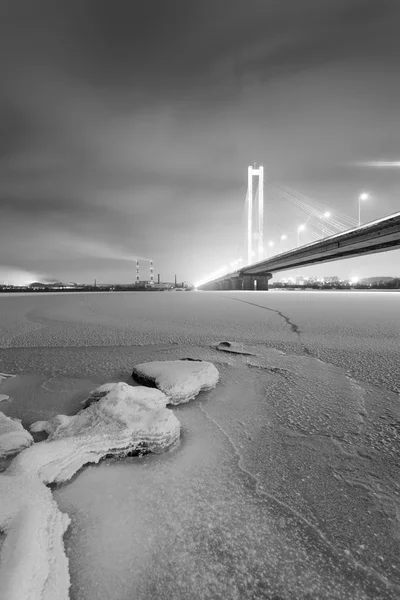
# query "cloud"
(122, 134)
(98, 249)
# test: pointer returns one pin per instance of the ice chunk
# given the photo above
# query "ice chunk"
(97, 394)
(180, 380)
(126, 420)
(233, 347)
(4, 397)
(5, 376)
(50, 426)
(33, 563)
(13, 437)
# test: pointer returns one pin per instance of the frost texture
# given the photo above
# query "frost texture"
(180, 380)
(123, 420)
(13, 437)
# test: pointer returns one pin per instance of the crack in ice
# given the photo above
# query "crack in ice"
(295, 328)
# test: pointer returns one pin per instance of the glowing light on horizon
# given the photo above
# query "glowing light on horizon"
(219, 272)
(379, 164)
(18, 277)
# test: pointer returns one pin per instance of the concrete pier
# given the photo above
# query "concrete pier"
(248, 282)
(262, 282)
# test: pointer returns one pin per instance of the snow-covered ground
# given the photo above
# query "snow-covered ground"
(286, 482)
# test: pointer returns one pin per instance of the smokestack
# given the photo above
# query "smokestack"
(151, 272)
(137, 272)
(158, 279)
(176, 284)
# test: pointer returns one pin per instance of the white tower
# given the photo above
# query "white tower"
(259, 234)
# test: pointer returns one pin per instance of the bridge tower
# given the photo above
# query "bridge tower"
(255, 192)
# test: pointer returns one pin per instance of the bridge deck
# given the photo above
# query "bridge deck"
(377, 236)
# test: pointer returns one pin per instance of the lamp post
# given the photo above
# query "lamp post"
(361, 198)
(300, 228)
(270, 245)
(326, 215)
(283, 238)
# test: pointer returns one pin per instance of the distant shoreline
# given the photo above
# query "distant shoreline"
(277, 289)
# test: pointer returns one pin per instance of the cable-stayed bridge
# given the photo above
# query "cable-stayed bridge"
(334, 235)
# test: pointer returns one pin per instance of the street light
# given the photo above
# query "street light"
(283, 238)
(270, 245)
(300, 228)
(361, 198)
(326, 215)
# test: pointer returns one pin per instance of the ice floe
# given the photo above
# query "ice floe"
(13, 437)
(4, 397)
(180, 380)
(125, 420)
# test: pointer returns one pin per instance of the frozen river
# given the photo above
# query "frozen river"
(286, 483)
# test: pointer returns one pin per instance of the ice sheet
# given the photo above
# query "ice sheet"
(286, 482)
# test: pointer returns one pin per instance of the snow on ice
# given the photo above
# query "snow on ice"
(33, 563)
(13, 437)
(180, 380)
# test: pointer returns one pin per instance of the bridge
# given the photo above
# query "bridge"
(377, 236)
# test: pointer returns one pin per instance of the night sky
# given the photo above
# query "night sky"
(127, 128)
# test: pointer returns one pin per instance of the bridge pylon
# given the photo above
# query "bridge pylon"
(255, 227)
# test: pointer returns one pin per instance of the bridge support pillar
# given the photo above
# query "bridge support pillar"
(226, 284)
(248, 282)
(262, 282)
(237, 283)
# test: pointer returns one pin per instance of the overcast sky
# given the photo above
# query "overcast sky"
(127, 128)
